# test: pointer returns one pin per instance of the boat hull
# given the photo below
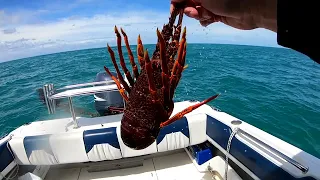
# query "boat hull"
(98, 140)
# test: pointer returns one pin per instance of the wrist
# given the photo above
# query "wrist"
(265, 13)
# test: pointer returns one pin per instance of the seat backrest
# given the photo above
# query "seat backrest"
(38, 150)
(129, 152)
(6, 158)
(32, 150)
(197, 128)
(102, 144)
(69, 147)
(49, 149)
(18, 150)
(174, 136)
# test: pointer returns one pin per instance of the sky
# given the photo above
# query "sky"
(30, 28)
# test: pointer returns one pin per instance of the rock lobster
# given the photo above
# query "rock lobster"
(149, 93)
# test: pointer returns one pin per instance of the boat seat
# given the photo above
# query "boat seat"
(69, 147)
(174, 136)
(38, 150)
(129, 152)
(102, 144)
(6, 159)
(197, 128)
(49, 149)
(17, 146)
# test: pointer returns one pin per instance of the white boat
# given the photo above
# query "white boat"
(205, 144)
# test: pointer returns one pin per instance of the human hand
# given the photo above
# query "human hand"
(240, 14)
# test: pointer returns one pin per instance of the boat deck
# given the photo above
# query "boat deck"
(173, 166)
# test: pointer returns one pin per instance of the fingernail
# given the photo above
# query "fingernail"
(188, 12)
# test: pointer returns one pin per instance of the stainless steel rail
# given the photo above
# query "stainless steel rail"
(301, 167)
(76, 125)
(86, 84)
(74, 90)
(84, 93)
(48, 90)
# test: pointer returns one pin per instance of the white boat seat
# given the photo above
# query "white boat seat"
(38, 150)
(129, 152)
(49, 149)
(69, 147)
(18, 150)
(197, 128)
(174, 136)
(102, 144)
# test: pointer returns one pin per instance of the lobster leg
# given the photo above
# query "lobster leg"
(178, 65)
(116, 109)
(164, 67)
(140, 52)
(133, 64)
(152, 86)
(121, 90)
(179, 71)
(124, 83)
(174, 44)
(122, 63)
(177, 31)
(186, 111)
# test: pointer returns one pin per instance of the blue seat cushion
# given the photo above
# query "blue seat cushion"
(5, 156)
(100, 136)
(40, 142)
(180, 125)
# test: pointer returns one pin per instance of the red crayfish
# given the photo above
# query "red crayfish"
(149, 93)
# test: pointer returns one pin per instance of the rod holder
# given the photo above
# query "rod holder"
(47, 91)
(52, 101)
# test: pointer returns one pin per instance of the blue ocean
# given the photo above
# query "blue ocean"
(274, 89)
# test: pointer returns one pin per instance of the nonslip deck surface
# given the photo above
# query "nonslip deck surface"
(173, 166)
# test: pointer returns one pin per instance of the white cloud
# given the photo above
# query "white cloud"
(78, 33)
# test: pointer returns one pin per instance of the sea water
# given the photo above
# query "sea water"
(274, 89)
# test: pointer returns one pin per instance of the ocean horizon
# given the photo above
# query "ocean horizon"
(150, 44)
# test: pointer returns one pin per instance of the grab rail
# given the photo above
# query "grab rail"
(85, 84)
(301, 167)
(50, 94)
(83, 91)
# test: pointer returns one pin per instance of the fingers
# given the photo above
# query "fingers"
(214, 18)
(204, 14)
(171, 8)
(193, 9)
(184, 3)
(177, 1)
(192, 12)
(173, 2)
(205, 23)
(189, 11)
